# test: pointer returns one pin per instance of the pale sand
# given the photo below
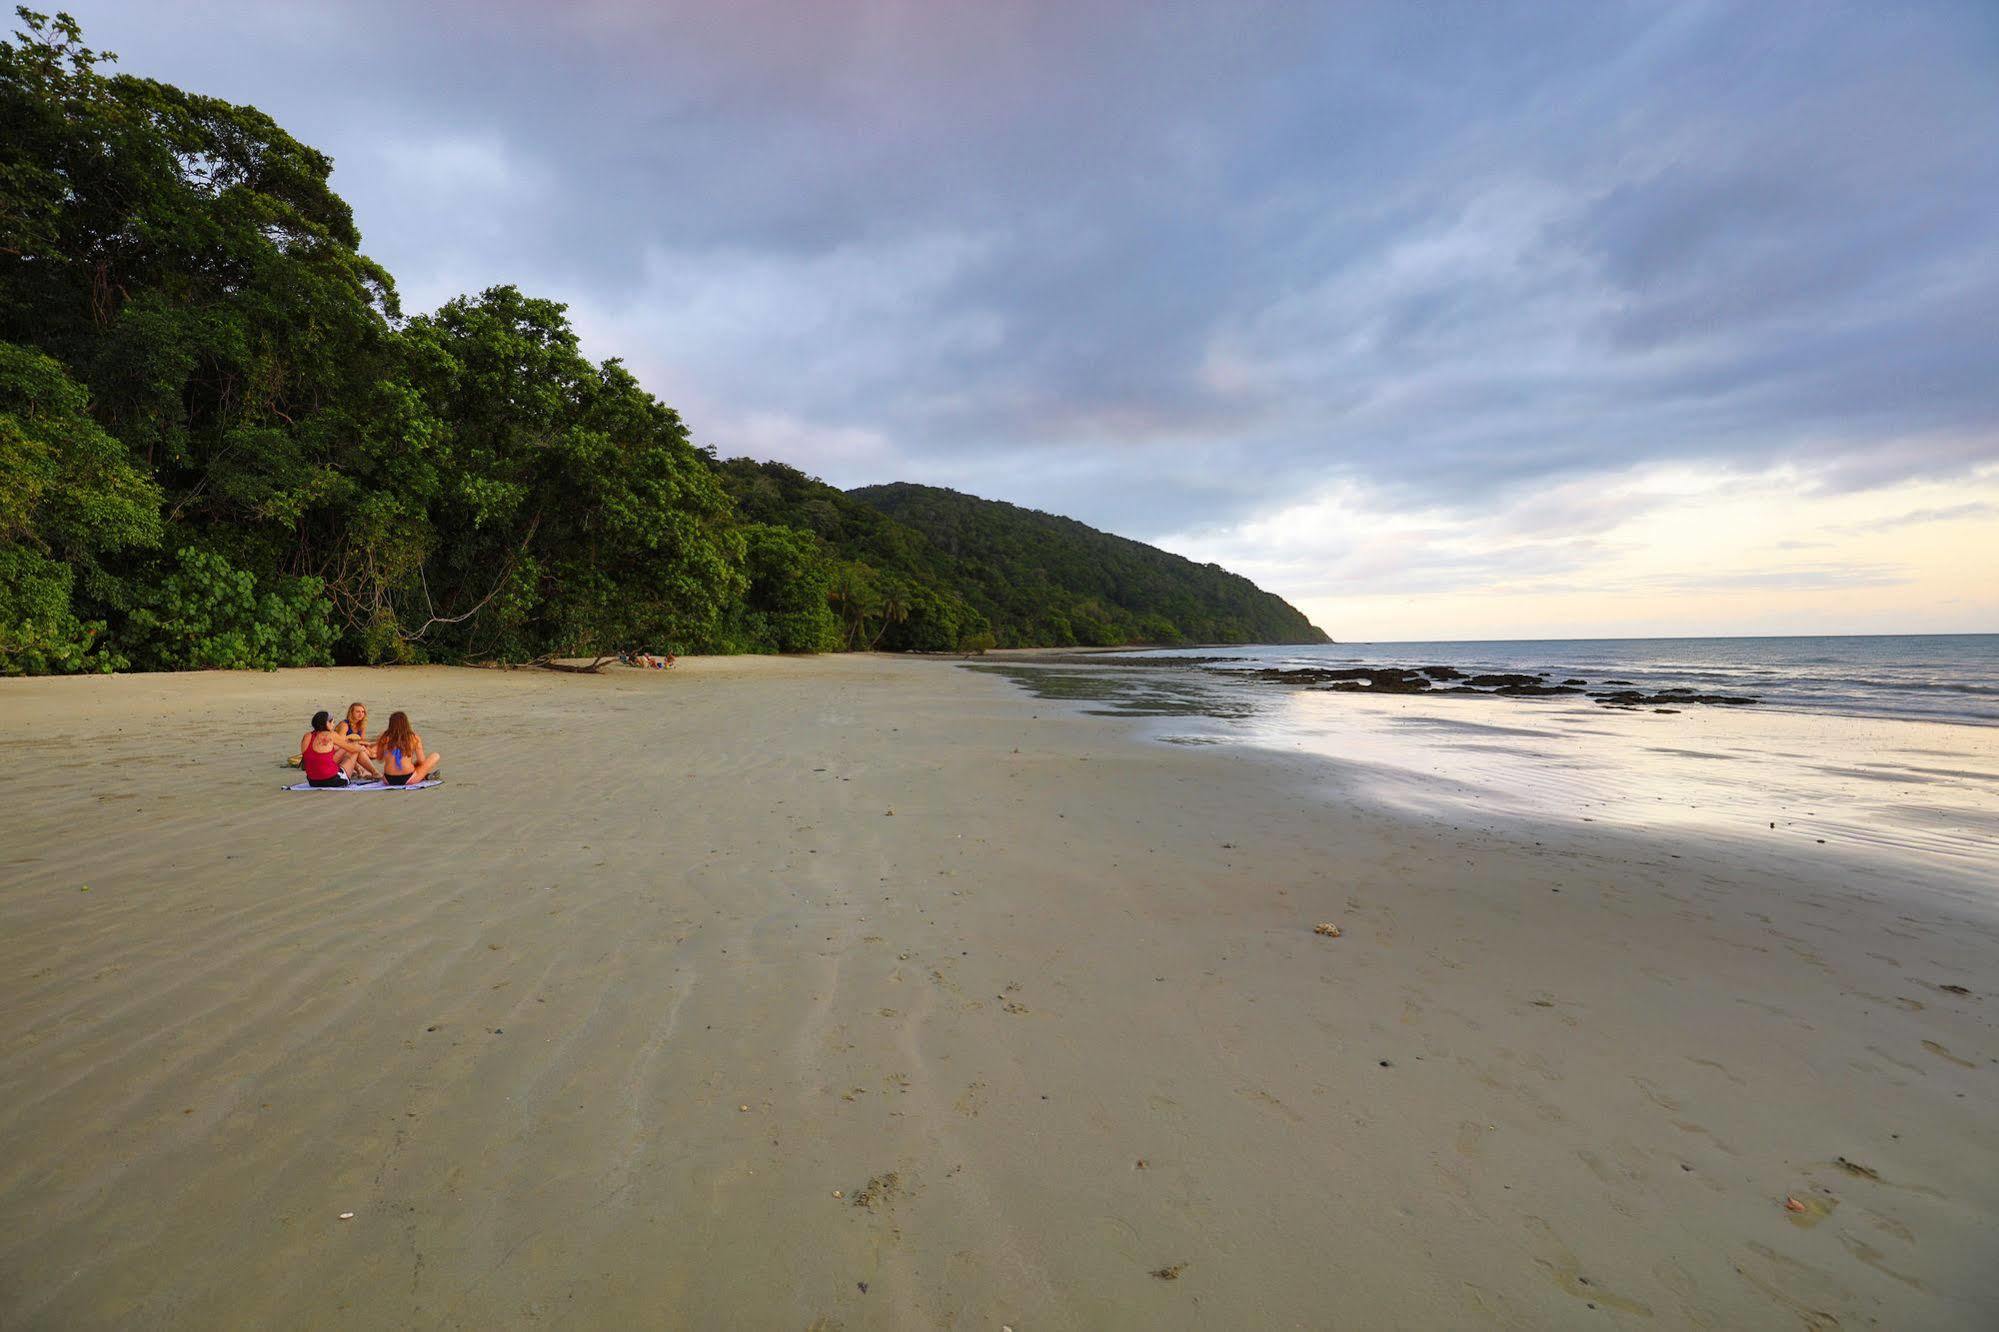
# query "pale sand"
(510, 1024)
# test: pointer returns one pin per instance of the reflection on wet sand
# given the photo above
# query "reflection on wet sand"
(1833, 779)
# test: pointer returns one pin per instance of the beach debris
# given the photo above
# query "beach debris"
(1947, 989)
(1328, 929)
(888, 813)
(839, 1193)
(1388, 1063)
(1809, 1211)
(863, 1285)
(1855, 1168)
(1171, 1273)
(879, 1190)
(1140, 1164)
(744, 1108)
(347, 1216)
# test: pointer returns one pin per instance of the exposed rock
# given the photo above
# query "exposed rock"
(1439, 681)
(1632, 698)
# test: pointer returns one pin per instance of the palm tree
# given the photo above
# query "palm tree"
(894, 610)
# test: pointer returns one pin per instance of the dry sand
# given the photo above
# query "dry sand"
(597, 1033)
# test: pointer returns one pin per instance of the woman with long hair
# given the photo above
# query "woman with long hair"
(322, 752)
(400, 751)
(355, 727)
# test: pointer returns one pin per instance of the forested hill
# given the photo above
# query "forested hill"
(1044, 579)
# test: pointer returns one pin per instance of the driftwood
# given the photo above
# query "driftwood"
(594, 668)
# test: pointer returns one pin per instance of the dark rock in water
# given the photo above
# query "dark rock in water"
(1632, 698)
(1449, 680)
(1385, 680)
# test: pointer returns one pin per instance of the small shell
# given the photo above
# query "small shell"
(744, 1108)
(347, 1216)
(1793, 1205)
(839, 1193)
(1328, 929)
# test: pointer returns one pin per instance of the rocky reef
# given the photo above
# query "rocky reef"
(1450, 681)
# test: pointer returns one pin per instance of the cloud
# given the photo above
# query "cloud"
(1953, 513)
(1184, 269)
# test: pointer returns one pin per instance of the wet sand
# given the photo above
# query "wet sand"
(593, 1034)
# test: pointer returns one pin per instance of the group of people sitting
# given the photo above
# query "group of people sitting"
(335, 755)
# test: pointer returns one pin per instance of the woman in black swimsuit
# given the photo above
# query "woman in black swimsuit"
(321, 753)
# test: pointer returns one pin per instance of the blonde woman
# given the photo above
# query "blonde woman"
(355, 727)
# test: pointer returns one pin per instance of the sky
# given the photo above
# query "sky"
(1442, 320)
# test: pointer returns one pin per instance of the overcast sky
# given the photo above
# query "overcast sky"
(1442, 320)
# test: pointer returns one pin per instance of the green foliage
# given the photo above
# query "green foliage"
(70, 496)
(209, 615)
(1044, 580)
(785, 607)
(887, 587)
(39, 631)
(522, 502)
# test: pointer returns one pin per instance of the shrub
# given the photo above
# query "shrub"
(210, 615)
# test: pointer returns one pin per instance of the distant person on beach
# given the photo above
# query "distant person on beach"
(355, 727)
(323, 753)
(400, 752)
(652, 663)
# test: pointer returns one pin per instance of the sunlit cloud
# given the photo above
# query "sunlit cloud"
(1435, 319)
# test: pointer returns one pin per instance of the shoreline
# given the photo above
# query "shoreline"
(514, 1040)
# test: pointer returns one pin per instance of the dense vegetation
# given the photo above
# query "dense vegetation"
(223, 445)
(1042, 579)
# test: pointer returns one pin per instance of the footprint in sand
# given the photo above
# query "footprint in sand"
(1936, 1048)
(1565, 1270)
(1655, 1096)
(1792, 1284)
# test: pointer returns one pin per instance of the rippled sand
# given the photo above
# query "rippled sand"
(592, 1034)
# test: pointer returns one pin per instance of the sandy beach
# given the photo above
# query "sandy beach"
(857, 992)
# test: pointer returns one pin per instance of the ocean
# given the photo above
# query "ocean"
(1883, 745)
(1927, 677)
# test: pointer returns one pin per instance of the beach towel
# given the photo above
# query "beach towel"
(368, 786)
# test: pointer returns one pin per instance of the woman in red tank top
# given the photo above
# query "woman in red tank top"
(321, 752)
